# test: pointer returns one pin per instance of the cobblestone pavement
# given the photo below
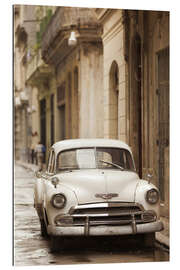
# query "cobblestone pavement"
(31, 249)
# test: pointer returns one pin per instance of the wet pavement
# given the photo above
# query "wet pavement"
(31, 249)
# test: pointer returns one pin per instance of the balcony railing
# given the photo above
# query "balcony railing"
(35, 62)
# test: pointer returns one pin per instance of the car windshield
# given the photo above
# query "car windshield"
(95, 158)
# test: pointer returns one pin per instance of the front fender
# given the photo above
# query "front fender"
(49, 191)
(140, 194)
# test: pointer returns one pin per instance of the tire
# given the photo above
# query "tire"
(149, 240)
(54, 244)
(43, 228)
(57, 243)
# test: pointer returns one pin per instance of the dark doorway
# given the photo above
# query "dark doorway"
(135, 104)
(62, 131)
(43, 121)
(52, 119)
(62, 109)
(163, 118)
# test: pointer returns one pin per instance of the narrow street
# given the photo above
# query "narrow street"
(31, 249)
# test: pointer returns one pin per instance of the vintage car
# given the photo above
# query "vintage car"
(91, 188)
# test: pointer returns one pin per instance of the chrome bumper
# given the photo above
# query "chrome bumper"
(105, 229)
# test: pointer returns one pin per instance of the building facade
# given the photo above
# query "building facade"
(40, 80)
(78, 72)
(114, 67)
(136, 89)
(24, 35)
(147, 57)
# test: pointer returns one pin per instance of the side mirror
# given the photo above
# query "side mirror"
(38, 174)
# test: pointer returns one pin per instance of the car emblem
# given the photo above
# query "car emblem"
(106, 196)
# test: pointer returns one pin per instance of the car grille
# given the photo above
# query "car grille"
(107, 213)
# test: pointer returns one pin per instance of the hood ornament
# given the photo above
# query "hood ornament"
(106, 196)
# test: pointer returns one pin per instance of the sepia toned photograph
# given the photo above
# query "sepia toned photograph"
(91, 135)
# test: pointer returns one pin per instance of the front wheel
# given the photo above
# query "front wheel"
(56, 243)
(43, 228)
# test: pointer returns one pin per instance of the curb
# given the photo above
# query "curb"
(162, 240)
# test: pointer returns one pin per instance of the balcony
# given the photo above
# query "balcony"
(37, 70)
(65, 20)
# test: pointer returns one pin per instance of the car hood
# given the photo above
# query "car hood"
(90, 185)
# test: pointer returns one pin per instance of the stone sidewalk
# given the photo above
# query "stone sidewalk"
(162, 237)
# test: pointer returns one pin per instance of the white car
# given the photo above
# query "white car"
(91, 188)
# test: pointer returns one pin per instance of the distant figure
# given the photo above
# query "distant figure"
(40, 155)
(44, 153)
(32, 155)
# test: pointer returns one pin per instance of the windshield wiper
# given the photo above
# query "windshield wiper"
(110, 163)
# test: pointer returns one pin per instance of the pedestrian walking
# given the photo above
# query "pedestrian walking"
(32, 153)
(44, 153)
(40, 155)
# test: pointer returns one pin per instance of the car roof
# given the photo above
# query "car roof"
(81, 143)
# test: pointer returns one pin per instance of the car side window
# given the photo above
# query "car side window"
(51, 162)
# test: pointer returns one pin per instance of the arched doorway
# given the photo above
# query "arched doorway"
(135, 102)
(113, 100)
(43, 121)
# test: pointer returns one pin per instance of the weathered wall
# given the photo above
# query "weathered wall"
(153, 30)
(65, 71)
(83, 106)
(114, 52)
(91, 92)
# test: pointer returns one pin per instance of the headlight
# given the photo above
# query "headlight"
(152, 196)
(58, 201)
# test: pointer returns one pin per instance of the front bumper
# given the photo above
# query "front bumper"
(105, 229)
